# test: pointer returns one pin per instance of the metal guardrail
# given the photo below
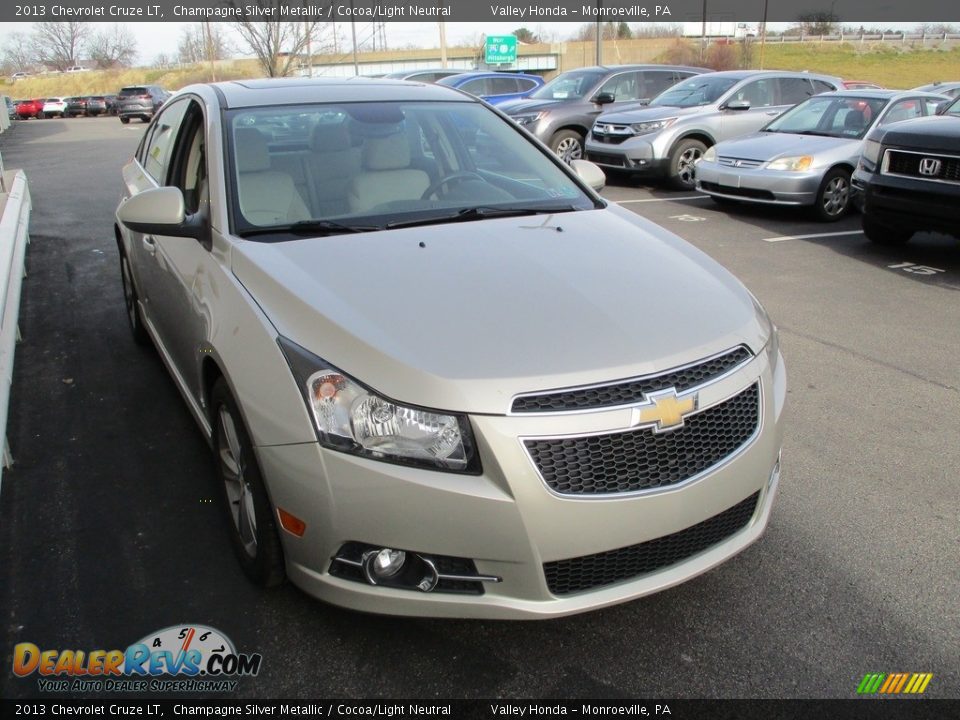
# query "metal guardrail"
(14, 237)
(852, 38)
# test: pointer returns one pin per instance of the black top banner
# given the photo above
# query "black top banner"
(574, 11)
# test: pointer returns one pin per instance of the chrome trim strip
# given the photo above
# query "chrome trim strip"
(624, 381)
(665, 488)
(441, 576)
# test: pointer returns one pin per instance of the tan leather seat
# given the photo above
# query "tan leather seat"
(331, 166)
(387, 175)
(267, 196)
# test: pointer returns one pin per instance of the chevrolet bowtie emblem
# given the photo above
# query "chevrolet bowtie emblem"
(664, 410)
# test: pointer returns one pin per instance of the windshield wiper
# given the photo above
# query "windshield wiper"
(481, 212)
(311, 227)
(812, 132)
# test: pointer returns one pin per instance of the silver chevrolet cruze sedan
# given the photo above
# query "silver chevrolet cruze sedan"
(439, 374)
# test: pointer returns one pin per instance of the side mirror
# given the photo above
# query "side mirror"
(160, 211)
(589, 173)
(604, 98)
(737, 105)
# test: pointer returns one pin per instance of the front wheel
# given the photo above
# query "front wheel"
(884, 234)
(834, 196)
(253, 531)
(125, 120)
(682, 164)
(567, 144)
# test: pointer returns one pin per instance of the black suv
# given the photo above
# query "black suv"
(908, 179)
(141, 101)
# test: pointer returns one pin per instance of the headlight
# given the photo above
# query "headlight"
(710, 154)
(648, 127)
(871, 153)
(352, 418)
(792, 164)
(527, 119)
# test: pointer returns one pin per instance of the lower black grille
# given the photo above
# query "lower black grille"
(642, 459)
(738, 191)
(606, 159)
(938, 167)
(565, 577)
(610, 139)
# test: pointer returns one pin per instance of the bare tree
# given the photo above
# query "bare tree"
(57, 44)
(526, 35)
(112, 47)
(818, 23)
(192, 47)
(279, 46)
(17, 53)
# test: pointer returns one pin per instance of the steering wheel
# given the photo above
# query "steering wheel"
(456, 177)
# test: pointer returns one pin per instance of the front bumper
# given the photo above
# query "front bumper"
(635, 155)
(759, 185)
(908, 204)
(507, 521)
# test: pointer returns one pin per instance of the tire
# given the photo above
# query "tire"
(567, 144)
(40, 116)
(835, 196)
(884, 234)
(680, 169)
(247, 508)
(130, 301)
(125, 120)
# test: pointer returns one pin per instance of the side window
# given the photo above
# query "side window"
(476, 87)
(794, 90)
(623, 86)
(524, 84)
(655, 82)
(903, 110)
(501, 86)
(158, 148)
(819, 86)
(760, 93)
(931, 105)
(188, 163)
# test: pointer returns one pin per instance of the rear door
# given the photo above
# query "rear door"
(764, 98)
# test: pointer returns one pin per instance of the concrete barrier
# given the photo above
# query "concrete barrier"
(15, 209)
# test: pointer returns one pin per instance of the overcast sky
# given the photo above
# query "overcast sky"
(162, 37)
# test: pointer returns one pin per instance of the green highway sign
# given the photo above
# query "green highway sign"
(501, 50)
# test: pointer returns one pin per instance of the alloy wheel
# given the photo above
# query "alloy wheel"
(685, 164)
(569, 149)
(239, 492)
(836, 196)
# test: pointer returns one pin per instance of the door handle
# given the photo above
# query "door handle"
(773, 112)
(149, 244)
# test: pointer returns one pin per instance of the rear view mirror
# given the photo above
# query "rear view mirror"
(604, 98)
(589, 173)
(737, 105)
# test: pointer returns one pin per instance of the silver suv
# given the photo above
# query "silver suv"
(561, 112)
(666, 138)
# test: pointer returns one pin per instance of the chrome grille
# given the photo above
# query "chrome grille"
(565, 577)
(739, 162)
(637, 460)
(922, 166)
(634, 390)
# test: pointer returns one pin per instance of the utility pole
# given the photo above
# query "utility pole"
(703, 33)
(599, 35)
(307, 28)
(208, 37)
(443, 44)
(763, 32)
(353, 31)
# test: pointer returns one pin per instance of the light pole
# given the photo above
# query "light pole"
(353, 31)
(763, 32)
(599, 35)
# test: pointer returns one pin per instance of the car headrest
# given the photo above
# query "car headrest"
(329, 138)
(251, 148)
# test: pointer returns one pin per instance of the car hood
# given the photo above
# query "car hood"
(931, 134)
(646, 114)
(769, 145)
(464, 317)
(530, 105)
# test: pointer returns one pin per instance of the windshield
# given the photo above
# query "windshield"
(700, 90)
(330, 168)
(568, 86)
(846, 117)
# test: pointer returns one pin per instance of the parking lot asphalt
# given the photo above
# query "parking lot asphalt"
(108, 532)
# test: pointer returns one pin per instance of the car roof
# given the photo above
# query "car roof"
(640, 66)
(880, 94)
(939, 84)
(472, 75)
(294, 91)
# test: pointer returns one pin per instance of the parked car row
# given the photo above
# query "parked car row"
(135, 101)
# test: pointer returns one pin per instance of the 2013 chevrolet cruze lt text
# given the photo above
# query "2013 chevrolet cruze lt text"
(441, 375)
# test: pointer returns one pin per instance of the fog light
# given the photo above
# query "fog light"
(382, 564)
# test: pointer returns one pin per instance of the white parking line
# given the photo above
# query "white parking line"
(645, 200)
(814, 235)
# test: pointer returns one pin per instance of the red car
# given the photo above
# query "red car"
(29, 108)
